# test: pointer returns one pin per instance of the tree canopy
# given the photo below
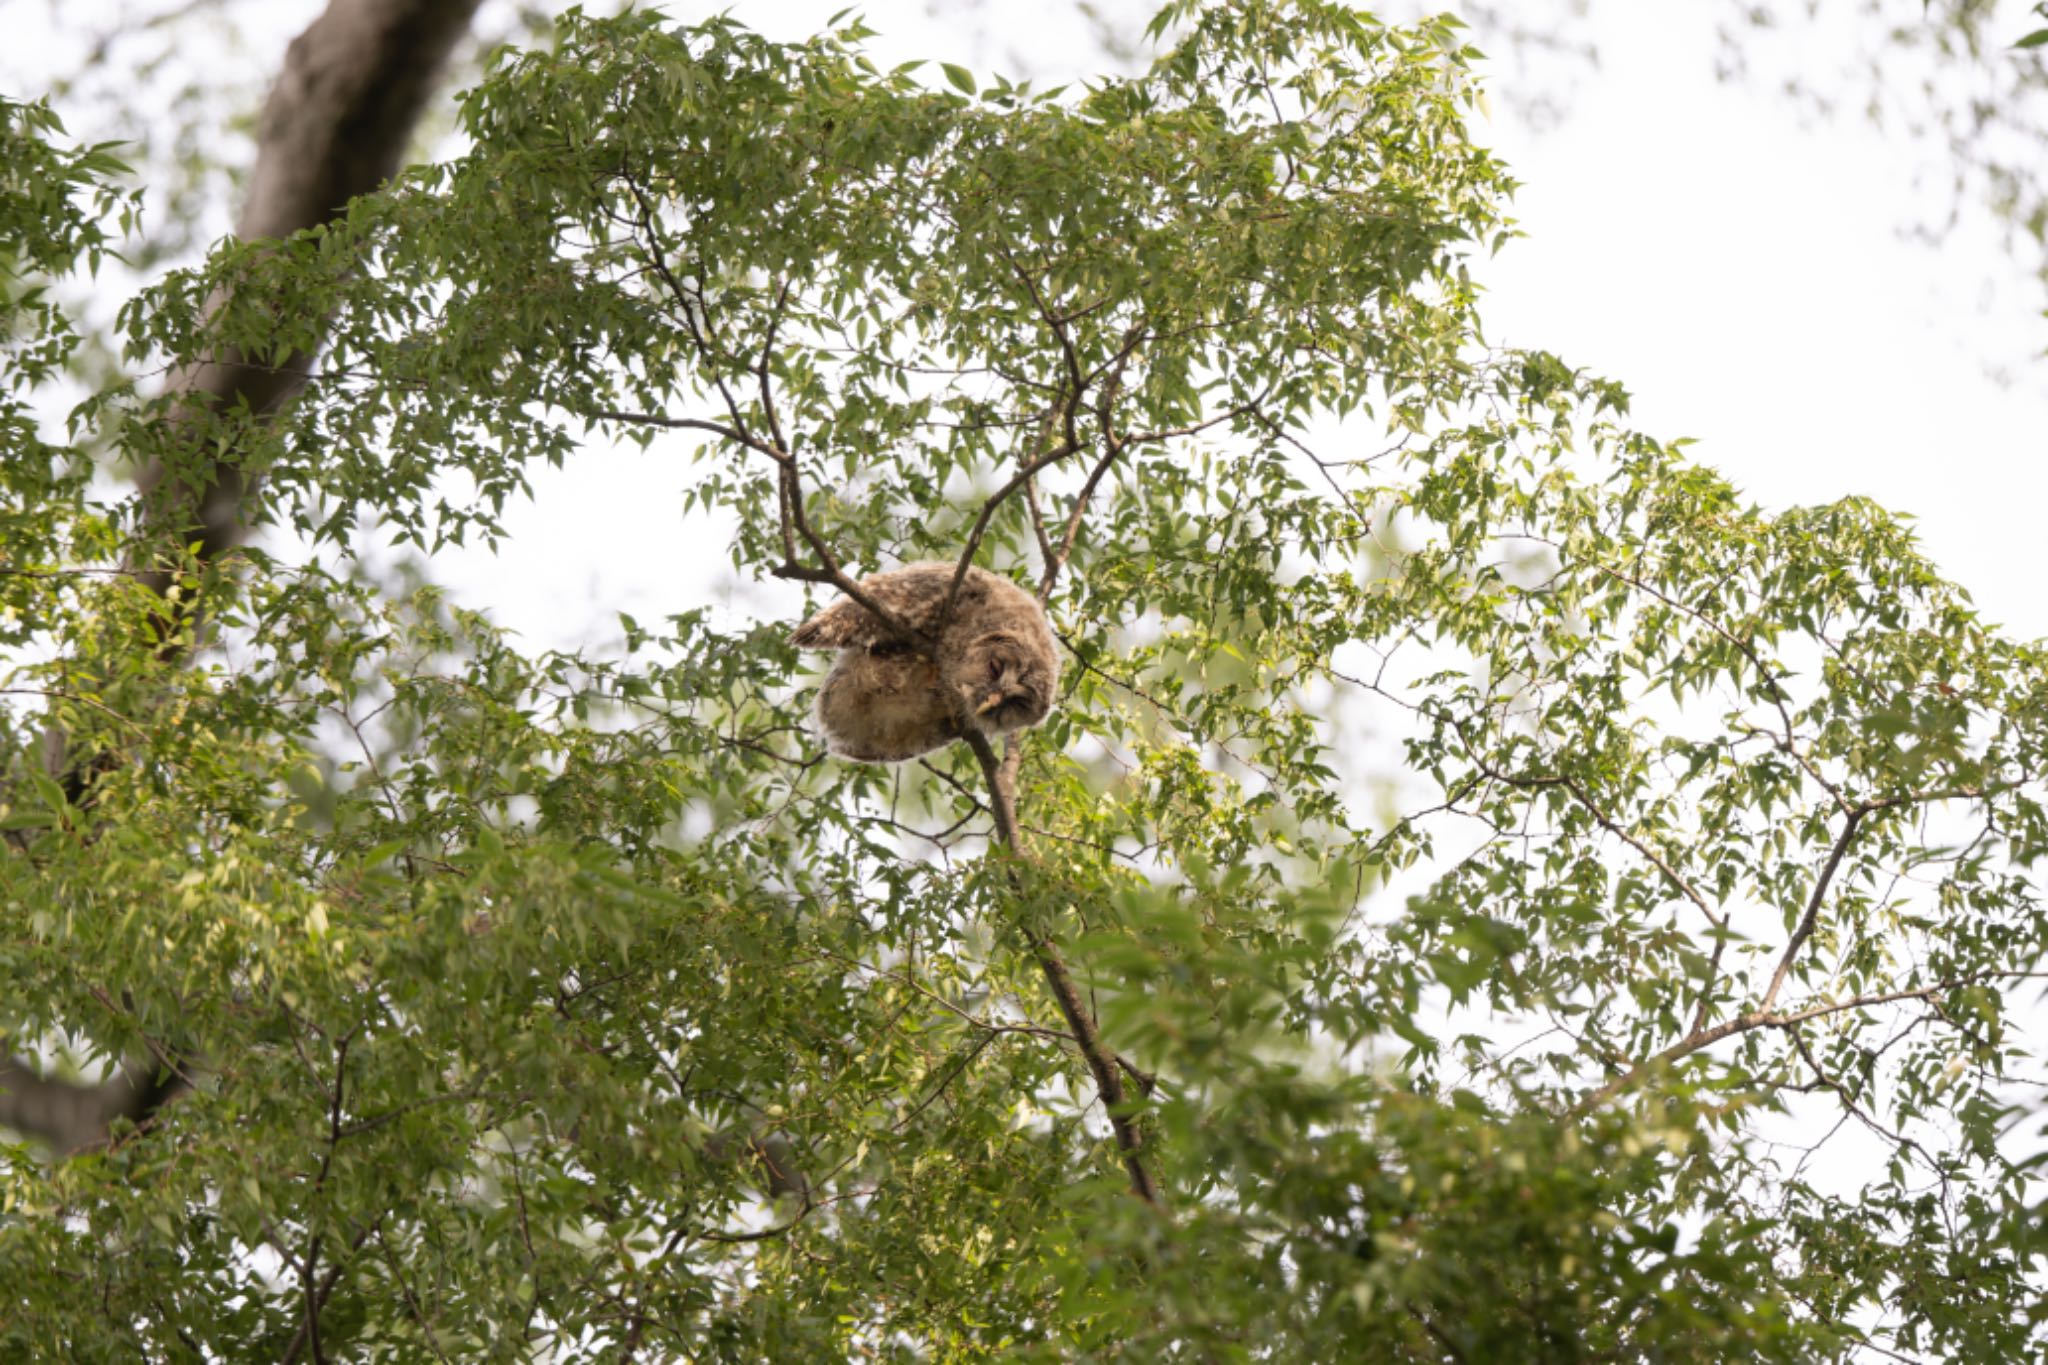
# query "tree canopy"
(1476, 863)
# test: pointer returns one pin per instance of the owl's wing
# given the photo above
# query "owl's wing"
(913, 594)
(845, 622)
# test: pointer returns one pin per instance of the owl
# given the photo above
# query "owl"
(884, 701)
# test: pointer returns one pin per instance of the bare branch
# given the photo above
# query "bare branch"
(720, 429)
(987, 514)
(1756, 1019)
(761, 370)
(1057, 561)
(1811, 917)
(705, 338)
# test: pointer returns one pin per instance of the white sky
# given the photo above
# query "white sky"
(1746, 279)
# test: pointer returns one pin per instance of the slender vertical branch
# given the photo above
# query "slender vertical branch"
(1807, 921)
(1038, 527)
(1041, 461)
(317, 1300)
(1001, 774)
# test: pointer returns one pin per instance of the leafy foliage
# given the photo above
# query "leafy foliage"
(1469, 852)
(54, 203)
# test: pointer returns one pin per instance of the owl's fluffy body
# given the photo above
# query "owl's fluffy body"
(884, 706)
(995, 663)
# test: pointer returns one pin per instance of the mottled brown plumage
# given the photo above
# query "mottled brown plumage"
(995, 663)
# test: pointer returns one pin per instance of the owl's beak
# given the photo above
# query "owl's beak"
(993, 700)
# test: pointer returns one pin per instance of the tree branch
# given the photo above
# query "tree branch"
(1756, 1019)
(1001, 775)
(720, 429)
(336, 126)
(1808, 920)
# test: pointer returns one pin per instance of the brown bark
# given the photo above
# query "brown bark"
(72, 1118)
(1001, 775)
(336, 125)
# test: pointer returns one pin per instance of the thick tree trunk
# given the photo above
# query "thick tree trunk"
(336, 125)
(72, 1118)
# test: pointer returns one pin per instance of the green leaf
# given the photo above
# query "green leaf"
(961, 78)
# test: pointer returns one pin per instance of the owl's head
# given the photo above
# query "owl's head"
(1006, 682)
